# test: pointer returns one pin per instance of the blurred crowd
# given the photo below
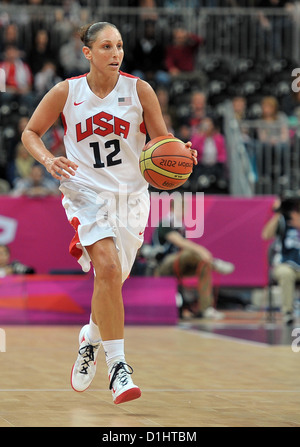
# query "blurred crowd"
(170, 65)
(153, 3)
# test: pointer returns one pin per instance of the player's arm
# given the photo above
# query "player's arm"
(153, 118)
(44, 116)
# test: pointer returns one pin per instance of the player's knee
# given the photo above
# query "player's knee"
(109, 270)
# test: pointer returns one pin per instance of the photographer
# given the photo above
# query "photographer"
(181, 257)
(8, 267)
(284, 226)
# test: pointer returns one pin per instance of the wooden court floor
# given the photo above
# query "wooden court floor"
(188, 379)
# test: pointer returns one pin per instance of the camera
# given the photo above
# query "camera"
(21, 269)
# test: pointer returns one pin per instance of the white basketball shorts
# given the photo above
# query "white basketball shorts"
(97, 216)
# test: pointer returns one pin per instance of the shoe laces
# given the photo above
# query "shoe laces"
(121, 371)
(87, 353)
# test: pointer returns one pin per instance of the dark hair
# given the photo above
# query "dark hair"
(88, 33)
(288, 205)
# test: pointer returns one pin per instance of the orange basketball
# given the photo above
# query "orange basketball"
(166, 163)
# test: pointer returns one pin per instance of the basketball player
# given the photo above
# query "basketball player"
(106, 114)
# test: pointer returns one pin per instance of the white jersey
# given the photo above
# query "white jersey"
(104, 137)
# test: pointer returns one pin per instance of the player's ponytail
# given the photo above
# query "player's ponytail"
(88, 33)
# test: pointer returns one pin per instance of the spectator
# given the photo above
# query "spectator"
(71, 57)
(40, 52)
(18, 78)
(8, 267)
(179, 256)
(291, 106)
(273, 136)
(148, 57)
(45, 79)
(197, 111)
(181, 57)
(240, 112)
(210, 172)
(11, 148)
(275, 28)
(181, 54)
(284, 226)
(62, 28)
(239, 104)
(11, 37)
(273, 127)
(22, 165)
(36, 185)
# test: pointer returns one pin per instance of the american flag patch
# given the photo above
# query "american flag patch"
(124, 101)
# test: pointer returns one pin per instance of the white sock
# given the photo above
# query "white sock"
(93, 332)
(114, 351)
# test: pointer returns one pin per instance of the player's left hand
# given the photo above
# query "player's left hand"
(194, 153)
(188, 145)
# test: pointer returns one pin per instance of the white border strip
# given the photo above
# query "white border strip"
(212, 335)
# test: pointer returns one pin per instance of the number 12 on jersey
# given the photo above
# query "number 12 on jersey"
(99, 155)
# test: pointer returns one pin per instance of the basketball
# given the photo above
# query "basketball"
(166, 163)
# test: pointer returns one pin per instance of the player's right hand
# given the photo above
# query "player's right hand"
(60, 167)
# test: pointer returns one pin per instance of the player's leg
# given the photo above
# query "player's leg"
(107, 316)
(107, 301)
(108, 313)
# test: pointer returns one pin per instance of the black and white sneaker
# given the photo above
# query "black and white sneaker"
(121, 385)
(84, 369)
